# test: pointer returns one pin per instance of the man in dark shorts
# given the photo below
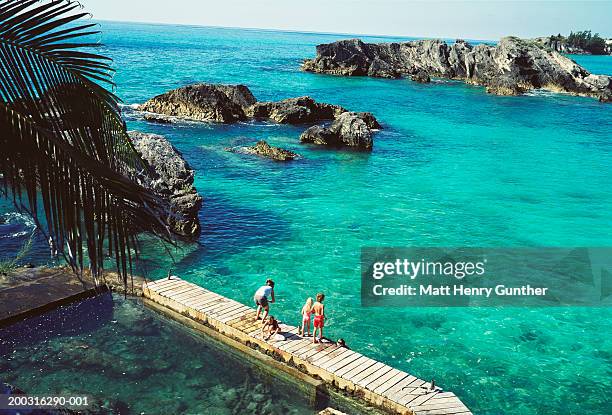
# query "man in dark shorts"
(263, 296)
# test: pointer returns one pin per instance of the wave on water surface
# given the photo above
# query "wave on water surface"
(15, 225)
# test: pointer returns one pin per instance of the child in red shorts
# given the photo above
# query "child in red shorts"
(319, 316)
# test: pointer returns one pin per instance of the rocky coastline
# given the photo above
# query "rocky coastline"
(232, 103)
(172, 178)
(511, 67)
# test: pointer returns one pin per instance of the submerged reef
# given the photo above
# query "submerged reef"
(265, 150)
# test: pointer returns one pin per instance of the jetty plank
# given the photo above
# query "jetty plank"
(210, 304)
(157, 284)
(227, 308)
(363, 371)
(195, 300)
(230, 315)
(244, 322)
(400, 377)
(246, 317)
(375, 382)
(242, 311)
(374, 376)
(384, 379)
(292, 342)
(400, 391)
(358, 362)
(450, 404)
(363, 365)
(189, 294)
(339, 361)
(328, 354)
(171, 285)
(306, 345)
(399, 386)
(417, 399)
(308, 352)
(351, 358)
(254, 329)
(203, 299)
(296, 344)
(171, 291)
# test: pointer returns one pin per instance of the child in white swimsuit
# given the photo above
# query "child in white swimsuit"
(306, 313)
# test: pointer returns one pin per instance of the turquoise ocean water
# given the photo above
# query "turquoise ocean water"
(452, 167)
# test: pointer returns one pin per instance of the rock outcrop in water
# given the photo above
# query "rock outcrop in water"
(231, 103)
(511, 67)
(172, 178)
(203, 102)
(265, 150)
(157, 119)
(350, 129)
(300, 110)
(421, 76)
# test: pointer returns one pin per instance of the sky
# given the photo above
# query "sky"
(481, 19)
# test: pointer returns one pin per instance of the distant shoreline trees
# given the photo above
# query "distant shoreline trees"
(585, 40)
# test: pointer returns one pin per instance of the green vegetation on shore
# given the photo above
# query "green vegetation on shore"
(584, 40)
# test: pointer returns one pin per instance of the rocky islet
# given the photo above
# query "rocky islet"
(510, 67)
(232, 103)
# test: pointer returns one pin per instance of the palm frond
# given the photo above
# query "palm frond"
(66, 156)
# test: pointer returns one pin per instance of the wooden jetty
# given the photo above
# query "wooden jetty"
(376, 383)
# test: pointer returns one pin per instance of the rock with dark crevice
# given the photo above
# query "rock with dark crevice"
(172, 178)
(232, 103)
(510, 67)
(299, 110)
(203, 102)
(421, 77)
(350, 129)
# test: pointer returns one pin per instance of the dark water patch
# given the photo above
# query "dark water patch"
(83, 317)
(224, 223)
(433, 321)
(529, 336)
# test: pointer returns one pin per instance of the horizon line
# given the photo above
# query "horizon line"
(294, 30)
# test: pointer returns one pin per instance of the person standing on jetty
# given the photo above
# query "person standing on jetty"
(263, 296)
(319, 316)
(306, 312)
